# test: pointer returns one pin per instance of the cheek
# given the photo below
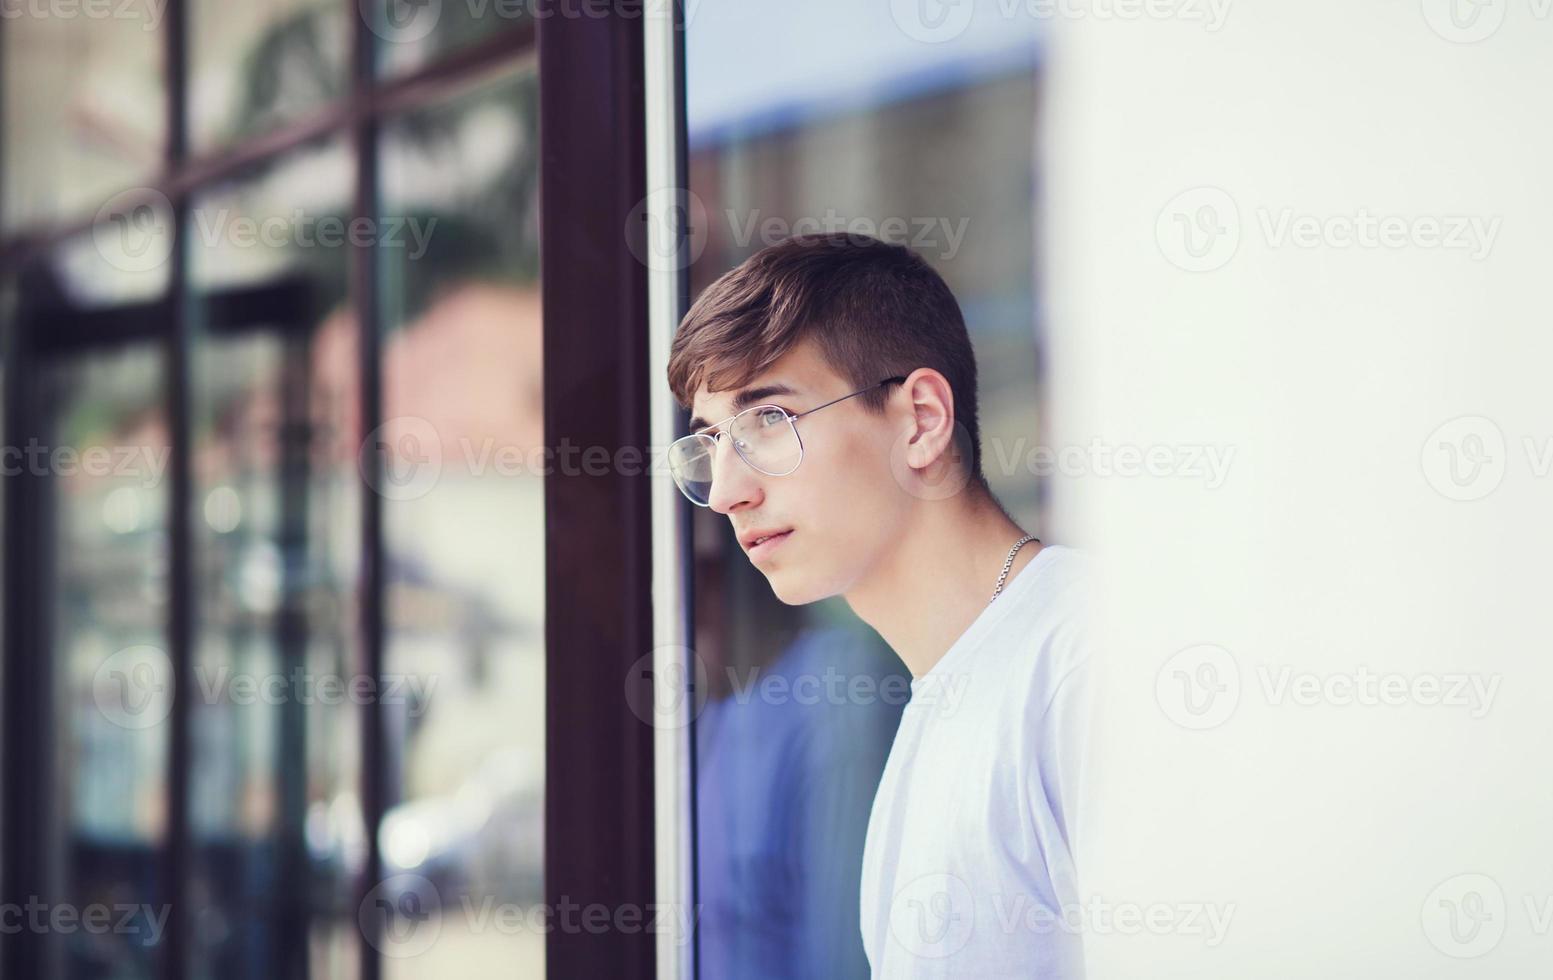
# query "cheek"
(849, 490)
(848, 504)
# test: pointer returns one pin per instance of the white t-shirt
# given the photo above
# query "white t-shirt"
(968, 868)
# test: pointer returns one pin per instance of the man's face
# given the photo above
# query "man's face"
(838, 508)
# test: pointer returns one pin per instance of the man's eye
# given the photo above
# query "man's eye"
(773, 416)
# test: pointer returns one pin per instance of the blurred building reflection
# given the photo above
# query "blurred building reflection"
(276, 829)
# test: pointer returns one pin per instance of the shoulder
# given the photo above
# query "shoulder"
(1038, 635)
(1052, 625)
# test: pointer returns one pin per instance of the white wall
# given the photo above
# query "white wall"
(1338, 541)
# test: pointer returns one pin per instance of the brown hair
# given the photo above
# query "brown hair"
(874, 309)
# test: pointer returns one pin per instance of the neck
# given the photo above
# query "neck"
(932, 583)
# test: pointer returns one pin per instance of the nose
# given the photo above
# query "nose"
(735, 483)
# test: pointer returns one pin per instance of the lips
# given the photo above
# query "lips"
(764, 539)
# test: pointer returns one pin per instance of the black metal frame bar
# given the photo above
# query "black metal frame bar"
(364, 289)
(27, 721)
(180, 544)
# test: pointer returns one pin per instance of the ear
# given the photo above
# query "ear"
(931, 458)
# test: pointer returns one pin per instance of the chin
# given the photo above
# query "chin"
(794, 590)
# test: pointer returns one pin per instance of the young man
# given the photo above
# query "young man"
(968, 868)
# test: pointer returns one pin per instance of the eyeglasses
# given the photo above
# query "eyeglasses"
(764, 436)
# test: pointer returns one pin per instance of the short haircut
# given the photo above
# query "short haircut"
(874, 309)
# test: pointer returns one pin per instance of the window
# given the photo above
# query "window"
(265, 694)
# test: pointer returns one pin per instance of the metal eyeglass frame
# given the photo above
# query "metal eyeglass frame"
(792, 421)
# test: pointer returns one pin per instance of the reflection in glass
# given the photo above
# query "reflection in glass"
(411, 34)
(275, 813)
(84, 101)
(254, 66)
(464, 521)
(105, 468)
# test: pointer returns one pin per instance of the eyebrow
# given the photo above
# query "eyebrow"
(745, 399)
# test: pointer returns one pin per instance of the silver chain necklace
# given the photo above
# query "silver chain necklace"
(1009, 562)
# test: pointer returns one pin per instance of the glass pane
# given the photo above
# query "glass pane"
(257, 64)
(108, 450)
(275, 814)
(413, 33)
(124, 259)
(863, 127)
(464, 530)
(84, 106)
